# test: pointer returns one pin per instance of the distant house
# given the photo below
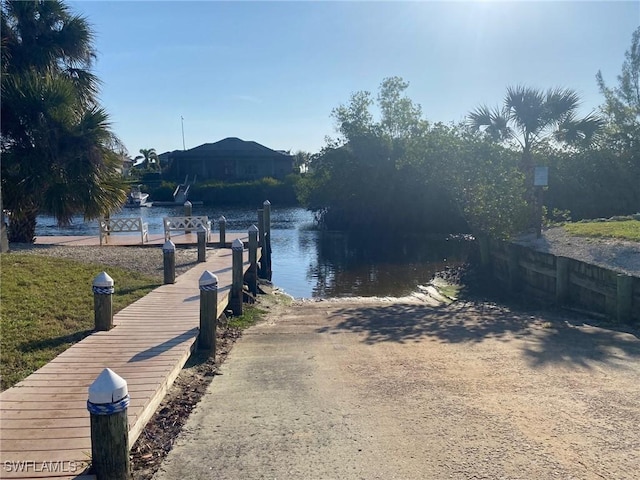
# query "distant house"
(231, 159)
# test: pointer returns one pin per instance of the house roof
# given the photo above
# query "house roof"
(235, 146)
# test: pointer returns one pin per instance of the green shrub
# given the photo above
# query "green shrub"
(246, 193)
(163, 193)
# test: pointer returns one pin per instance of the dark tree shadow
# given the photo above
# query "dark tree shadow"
(164, 346)
(582, 342)
(553, 337)
(404, 323)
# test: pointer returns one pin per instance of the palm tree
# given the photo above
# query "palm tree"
(530, 118)
(149, 158)
(57, 145)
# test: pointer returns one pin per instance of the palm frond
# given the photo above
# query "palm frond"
(490, 121)
(583, 132)
(560, 104)
(525, 107)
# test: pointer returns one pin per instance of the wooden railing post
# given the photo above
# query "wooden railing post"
(253, 259)
(102, 302)
(235, 296)
(188, 211)
(625, 297)
(223, 230)
(562, 280)
(107, 405)
(202, 244)
(169, 262)
(208, 311)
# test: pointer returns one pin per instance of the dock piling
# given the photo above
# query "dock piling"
(208, 311)
(188, 211)
(260, 227)
(235, 296)
(107, 405)
(223, 230)
(202, 244)
(169, 262)
(252, 276)
(266, 249)
(103, 302)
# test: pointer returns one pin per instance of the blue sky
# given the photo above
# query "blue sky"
(273, 71)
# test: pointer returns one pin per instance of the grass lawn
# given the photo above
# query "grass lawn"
(46, 305)
(624, 229)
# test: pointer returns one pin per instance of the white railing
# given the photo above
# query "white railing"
(114, 225)
(187, 225)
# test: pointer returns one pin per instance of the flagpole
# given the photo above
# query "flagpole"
(182, 120)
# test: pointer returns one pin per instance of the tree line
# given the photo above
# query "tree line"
(60, 155)
(403, 172)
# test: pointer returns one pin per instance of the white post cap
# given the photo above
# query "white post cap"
(237, 245)
(266, 202)
(187, 203)
(253, 229)
(169, 246)
(222, 218)
(109, 387)
(103, 280)
(207, 278)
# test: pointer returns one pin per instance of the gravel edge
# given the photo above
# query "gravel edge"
(145, 260)
(615, 254)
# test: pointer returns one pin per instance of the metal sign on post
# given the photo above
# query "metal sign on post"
(541, 177)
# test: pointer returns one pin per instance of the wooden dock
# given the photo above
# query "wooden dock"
(44, 429)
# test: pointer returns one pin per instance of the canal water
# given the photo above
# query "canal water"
(309, 263)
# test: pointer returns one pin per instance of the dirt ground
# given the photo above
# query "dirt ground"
(381, 389)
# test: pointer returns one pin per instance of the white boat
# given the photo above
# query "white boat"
(136, 198)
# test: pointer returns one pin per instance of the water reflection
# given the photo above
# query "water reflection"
(348, 265)
(310, 263)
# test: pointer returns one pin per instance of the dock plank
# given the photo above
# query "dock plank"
(45, 422)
